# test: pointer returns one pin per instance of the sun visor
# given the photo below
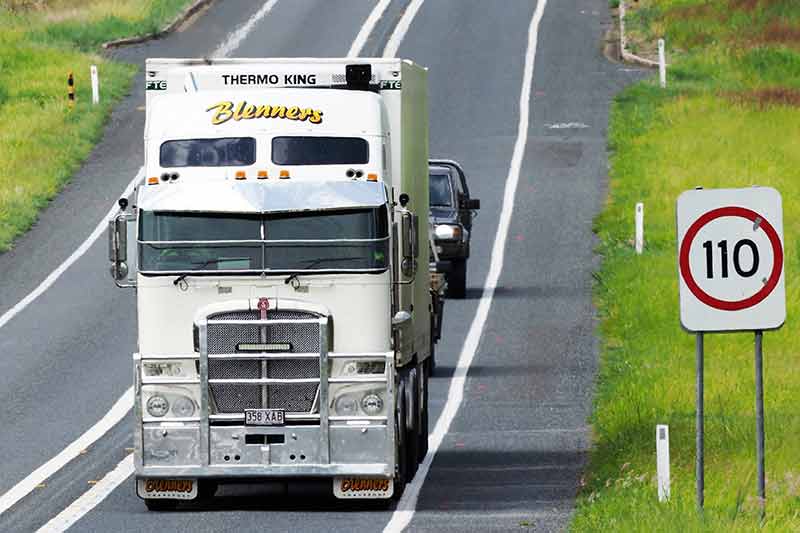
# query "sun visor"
(262, 197)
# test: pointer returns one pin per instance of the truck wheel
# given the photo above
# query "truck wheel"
(424, 373)
(160, 505)
(401, 470)
(457, 279)
(413, 409)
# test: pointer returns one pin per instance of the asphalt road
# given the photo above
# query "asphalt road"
(515, 451)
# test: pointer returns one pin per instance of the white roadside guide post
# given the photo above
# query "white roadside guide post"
(639, 238)
(662, 461)
(95, 85)
(730, 276)
(662, 64)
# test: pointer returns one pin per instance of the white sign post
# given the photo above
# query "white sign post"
(730, 272)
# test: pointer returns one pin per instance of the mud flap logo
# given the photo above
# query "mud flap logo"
(362, 487)
(175, 489)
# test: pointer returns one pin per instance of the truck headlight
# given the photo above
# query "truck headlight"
(359, 400)
(157, 406)
(178, 368)
(447, 232)
(372, 404)
(360, 367)
(170, 401)
(183, 407)
(346, 405)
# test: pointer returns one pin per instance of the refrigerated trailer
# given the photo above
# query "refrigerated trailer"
(278, 246)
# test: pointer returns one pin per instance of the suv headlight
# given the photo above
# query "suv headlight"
(447, 232)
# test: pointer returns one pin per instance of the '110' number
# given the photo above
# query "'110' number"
(737, 249)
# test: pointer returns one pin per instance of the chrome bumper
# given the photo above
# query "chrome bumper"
(329, 446)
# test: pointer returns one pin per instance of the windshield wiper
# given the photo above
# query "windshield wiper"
(316, 262)
(208, 263)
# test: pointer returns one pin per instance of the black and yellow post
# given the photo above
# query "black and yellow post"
(71, 90)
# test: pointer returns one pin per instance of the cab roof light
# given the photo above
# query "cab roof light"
(262, 174)
(152, 180)
(372, 177)
(241, 175)
(284, 175)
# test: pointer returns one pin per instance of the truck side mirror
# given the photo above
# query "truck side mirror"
(118, 228)
(409, 231)
(471, 204)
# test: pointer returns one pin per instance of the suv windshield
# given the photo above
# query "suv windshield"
(344, 240)
(441, 190)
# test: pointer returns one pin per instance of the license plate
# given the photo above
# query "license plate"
(348, 488)
(264, 417)
(173, 489)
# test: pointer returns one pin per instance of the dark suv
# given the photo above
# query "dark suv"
(452, 211)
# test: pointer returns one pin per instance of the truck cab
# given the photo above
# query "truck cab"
(283, 316)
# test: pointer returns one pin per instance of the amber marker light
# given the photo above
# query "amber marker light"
(240, 175)
(285, 174)
(152, 181)
(372, 177)
(262, 174)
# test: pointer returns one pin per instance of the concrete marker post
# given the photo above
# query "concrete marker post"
(662, 461)
(639, 219)
(95, 85)
(662, 64)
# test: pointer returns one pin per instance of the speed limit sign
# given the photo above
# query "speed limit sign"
(730, 259)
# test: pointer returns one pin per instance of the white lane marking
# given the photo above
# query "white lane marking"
(402, 27)
(407, 504)
(21, 489)
(567, 126)
(91, 498)
(77, 254)
(238, 35)
(366, 29)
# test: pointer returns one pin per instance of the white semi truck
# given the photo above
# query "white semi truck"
(278, 244)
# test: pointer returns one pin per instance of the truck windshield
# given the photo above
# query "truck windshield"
(320, 151)
(225, 152)
(441, 191)
(347, 240)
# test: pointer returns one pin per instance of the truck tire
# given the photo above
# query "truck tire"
(423, 371)
(457, 279)
(413, 409)
(401, 469)
(159, 505)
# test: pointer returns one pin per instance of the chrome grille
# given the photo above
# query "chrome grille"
(235, 397)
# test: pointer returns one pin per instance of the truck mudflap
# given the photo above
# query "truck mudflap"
(351, 488)
(166, 489)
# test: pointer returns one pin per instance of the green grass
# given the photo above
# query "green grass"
(42, 141)
(728, 119)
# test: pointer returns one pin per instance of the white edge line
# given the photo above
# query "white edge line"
(91, 498)
(366, 29)
(24, 487)
(407, 504)
(402, 27)
(77, 254)
(236, 37)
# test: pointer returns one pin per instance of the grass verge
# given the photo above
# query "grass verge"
(730, 118)
(42, 141)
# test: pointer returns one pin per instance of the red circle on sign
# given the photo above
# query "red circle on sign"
(777, 266)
